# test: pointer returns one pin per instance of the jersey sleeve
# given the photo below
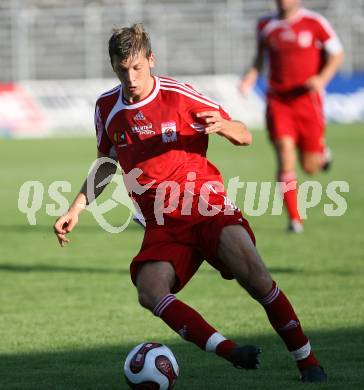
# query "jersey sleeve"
(196, 103)
(327, 36)
(199, 124)
(104, 144)
(260, 29)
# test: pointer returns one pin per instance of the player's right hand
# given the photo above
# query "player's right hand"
(64, 225)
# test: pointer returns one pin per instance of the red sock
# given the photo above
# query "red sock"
(224, 348)
(289, 182)
(285, 322)
(191, 326)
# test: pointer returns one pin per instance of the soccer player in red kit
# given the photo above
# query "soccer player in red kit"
(303, 54)
(159, 128)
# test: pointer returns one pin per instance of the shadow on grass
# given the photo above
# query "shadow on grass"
(340, 351)
(49, 228)
(54, 268)
(22, 268)
(45, 268)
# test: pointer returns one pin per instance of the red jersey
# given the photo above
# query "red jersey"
(296, 47)
(160, 135)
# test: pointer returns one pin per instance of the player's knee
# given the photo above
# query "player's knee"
(310, 168)
(255, 278)
(154, 281)
(260, 285)
(147, 299)
(311, 164)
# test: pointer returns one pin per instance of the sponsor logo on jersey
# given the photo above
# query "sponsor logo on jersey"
(143, 129)
(305, 38)
(139, 116)
(169, 132)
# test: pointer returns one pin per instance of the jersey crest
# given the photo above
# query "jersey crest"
(169, 131)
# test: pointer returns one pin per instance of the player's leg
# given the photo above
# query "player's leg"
(311, 162)
(316, 161)
(237, 252)
(285, 149)
(315, 155)
(155, 281)
(283, 134)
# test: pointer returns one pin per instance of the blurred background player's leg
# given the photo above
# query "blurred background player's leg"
(314, 162)
(283, 132)
(315, 156)
(286, 159)
(326, 159)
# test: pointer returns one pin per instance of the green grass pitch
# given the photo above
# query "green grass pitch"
(69, 316)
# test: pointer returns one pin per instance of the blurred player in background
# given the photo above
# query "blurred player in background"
(161, 127)
(303, 55)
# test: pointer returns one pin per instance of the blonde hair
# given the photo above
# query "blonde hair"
(127, 42)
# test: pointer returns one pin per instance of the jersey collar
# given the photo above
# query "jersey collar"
(141, 103)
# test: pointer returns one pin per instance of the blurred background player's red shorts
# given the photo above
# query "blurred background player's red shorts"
(186, 242)
(299, 116)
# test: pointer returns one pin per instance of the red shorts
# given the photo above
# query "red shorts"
(186, 242)
(299, 117)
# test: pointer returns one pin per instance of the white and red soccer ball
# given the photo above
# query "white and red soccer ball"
(151, 366)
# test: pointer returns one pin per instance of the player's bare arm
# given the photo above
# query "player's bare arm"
(250, 77)
(68, 221)
(235, 131)
(318, 82)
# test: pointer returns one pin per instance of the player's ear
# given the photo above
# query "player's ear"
(151, 60)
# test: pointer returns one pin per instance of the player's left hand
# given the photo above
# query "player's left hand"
(315, 83)
(215, 122)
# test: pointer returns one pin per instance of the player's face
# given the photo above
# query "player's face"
(135, 75)
(286, 6)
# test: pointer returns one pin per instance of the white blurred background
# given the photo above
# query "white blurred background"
(62, 39)
(54, 55)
